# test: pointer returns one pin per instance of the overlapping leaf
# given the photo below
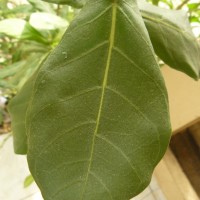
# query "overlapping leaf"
(18, 111)
(97, 119)
(172, 38)
(19, 106)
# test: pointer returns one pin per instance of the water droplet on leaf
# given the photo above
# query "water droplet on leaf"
(65, 54)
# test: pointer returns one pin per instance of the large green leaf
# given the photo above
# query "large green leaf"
(97, 120)
(172, 38)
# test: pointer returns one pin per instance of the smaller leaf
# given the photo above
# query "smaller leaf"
(172, 38)
(19, 105)
(18, 122)
(28, 181)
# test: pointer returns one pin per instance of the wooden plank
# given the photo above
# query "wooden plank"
(184, 96)
(172, 179)
(187, 153)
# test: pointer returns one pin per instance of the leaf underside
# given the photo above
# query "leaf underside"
(170, 34)
(172, 38)
(97, 120)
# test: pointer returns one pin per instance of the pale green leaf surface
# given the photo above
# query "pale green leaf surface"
(172, 38)
(97, 119)
(47, 21)
(8, 27)
(23, 31)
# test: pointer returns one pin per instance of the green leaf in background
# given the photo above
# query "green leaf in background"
(195, 19)
(24, 30)
(30, 66)
(28, 181)
(11, 69)
(193, 6)
(47, 21)
(172, 38)
(30, 33)
(73, 3)
(8, 27)
(42, 6)
(97, 120)
(4, 84)
(20, 9)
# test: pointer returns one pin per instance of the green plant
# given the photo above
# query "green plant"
(93, 119)
(39, 29)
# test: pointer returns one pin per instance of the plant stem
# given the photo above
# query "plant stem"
(58, 10)
(182, 4)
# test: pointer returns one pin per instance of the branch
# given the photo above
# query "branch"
(182, 4)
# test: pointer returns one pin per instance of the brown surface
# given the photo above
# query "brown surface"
(195, 132)
(172, 181)
(187, 153)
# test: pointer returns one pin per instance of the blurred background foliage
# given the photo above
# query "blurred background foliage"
(30, 29)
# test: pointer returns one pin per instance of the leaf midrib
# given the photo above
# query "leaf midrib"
(164, 23)
(104, 84)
